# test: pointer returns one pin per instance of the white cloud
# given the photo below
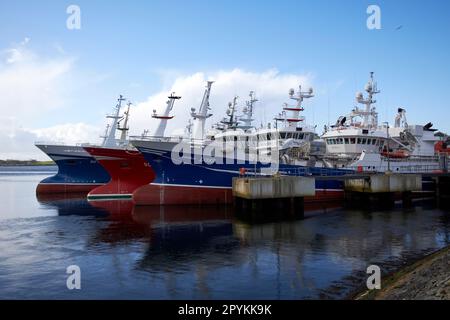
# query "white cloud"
(29, 84)
(271, 88)
(70, 133)
(32, 86)
(18, 143)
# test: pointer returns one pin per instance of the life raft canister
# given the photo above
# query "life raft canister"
(441, 147)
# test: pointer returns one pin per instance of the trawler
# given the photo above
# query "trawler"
(199, 179)
(127, 167)
(357, 141)
(78, 171)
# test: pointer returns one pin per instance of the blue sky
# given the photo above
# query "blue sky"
(140, 48)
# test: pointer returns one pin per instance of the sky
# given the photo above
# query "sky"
(57, 83)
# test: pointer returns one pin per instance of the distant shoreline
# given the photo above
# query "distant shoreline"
(21, 163)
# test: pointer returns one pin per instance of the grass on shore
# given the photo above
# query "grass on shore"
(26, 163)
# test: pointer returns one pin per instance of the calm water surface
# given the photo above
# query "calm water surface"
(127, 252)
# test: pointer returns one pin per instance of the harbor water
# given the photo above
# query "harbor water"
(152, 252)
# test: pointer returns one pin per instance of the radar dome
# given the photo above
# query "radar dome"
(291, 92)
(368, 87)
(359, 96)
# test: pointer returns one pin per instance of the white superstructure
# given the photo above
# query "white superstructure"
(358, 142)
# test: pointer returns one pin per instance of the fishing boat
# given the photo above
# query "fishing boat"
(358, 142)
(195, 178)
(125, 165)
(78, 171)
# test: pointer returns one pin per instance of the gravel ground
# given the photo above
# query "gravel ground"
(428, 279)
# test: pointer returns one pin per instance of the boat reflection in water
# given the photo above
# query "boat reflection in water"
(68, 204)
(188, 252)
(162, 226)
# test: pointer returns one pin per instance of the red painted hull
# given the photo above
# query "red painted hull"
(128, 170)
(179, 195)
(50, 188)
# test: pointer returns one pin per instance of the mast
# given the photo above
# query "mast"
(188, 129)
(106, 134)
(247, 117)
(165, 116)
(110, 139)
(371, 89)
(231, 121)
(294, 117)
(201, 116)
(125, 128)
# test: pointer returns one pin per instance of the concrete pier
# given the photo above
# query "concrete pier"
(382, 183)
(379, 189)
(277, 194)
(275, 187)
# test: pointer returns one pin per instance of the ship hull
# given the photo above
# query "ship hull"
(128, 170)
(78, 172)
(190, 183)
(157, 194)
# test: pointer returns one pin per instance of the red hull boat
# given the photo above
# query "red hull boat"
(128, 170)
